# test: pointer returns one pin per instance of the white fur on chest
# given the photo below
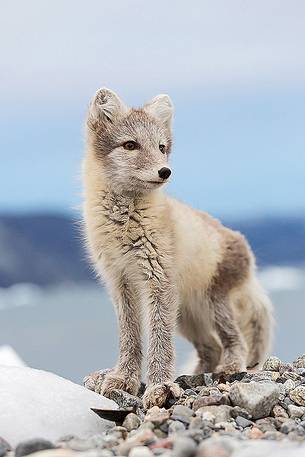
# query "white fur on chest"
(127, 238)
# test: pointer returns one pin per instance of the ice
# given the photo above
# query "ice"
(37, 403)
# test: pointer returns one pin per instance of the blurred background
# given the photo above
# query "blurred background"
(236, 73)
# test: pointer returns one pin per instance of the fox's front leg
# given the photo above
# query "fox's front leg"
(127, 373)
(163, 305)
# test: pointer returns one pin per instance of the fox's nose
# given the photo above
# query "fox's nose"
(164, 172)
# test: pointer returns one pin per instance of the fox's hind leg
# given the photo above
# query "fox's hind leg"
(234, 357)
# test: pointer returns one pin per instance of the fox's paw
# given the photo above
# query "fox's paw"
(228, 368)
(158, 394)
(114, 380)
(95, 380)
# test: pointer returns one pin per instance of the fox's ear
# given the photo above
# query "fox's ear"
(161, 107)
(106, 106)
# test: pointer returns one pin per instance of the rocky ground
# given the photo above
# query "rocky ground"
(241, 415)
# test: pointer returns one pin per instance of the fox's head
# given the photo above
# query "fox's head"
(131, 145)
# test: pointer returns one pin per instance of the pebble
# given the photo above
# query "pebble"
(125, 400)
(288, 426)
(184, 447)
(31, 446)
(289, 385)
(255, 433)
(209, 401)
(298, 395)
(299, 362)
(181, 410)
(257, 398)
(296, 412)
(279, 411)
(64, 453)
(140, 451)
(221, 413)
(272, 364)
(242, 422)
(157, 415)
(176, 427)
(131, 422)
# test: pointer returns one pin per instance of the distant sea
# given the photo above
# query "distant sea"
(70, 329)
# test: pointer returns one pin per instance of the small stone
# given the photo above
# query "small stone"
(31, 446)
(131, 422)
(214, 448)
(62, 453)
(190, 392)
(289, 385)
(255, 434)
(140, 438)
(242, 422)
(238, 411)
(272, 364)
(181, 410)
(209, 401)
(4, 447)
(222, 413)
(160, 434)
(224, 387)
(204, 391)
(125, 400)
(191, 381)
(197, 423)
(266, 425)
(175, 427)
(299, 362)
(273, 435)
(257, 398)
(298, 395)
(140, 451)
(184, 419)
(184, 447)
(157, 415)
(296, 412)
(279, 411)
(288, 426)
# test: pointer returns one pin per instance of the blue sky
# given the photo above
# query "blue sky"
(235, 71)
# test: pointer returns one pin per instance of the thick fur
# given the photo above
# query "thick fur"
(163, 260)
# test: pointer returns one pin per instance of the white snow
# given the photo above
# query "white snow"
(37, 403)
(9, 357)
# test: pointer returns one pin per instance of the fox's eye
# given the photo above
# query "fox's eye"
(162, 148)
(130, 145)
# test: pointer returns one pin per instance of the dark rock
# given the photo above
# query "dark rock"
(31, 446)
(125, 400)
(191, 381)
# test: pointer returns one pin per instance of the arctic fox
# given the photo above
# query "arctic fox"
(159, 257)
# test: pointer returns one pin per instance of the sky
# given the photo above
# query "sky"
(234, 70)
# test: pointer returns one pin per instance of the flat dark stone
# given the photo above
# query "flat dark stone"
(113, 415)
